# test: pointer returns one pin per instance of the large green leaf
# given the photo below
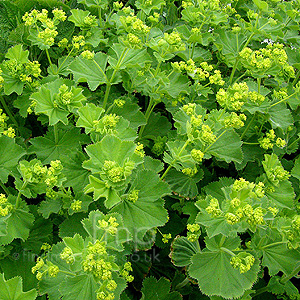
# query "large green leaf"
(227, 147)
(148, 211)
(280, 116)
(10, 153)
(122, 58)
(51, 146)
(12, 290)
(90, 71)
(46, 101)
(19, 223)
(158, 290)
(296, 169)
(215, 274)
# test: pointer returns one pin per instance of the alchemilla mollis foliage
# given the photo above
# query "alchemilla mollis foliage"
(149, 149)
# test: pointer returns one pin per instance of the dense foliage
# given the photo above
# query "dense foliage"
(149, 149)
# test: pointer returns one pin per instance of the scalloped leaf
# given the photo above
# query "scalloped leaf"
(158, 290)
(182, 251)
(216, 276)
(148, 211)
(10, 153)
(90, 71)
(12, 290)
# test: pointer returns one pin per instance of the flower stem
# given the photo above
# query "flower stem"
(286, 278)
(8, 112)
(4, 188)
(18, 201)
(282, 100)
(174, 160)
(48, 56)
(148, 112)
(248, 126)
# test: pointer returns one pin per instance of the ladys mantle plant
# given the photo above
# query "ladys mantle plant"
(149, 149)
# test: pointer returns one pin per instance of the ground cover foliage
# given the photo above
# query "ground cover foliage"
(149, 149)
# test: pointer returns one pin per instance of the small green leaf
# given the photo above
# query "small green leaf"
(182, 250)
(12, 290)
(18, 54)
(261, 5)
(296, 169)
(78, 16)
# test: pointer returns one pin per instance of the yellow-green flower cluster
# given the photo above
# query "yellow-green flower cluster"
(4, 129)
(139, 150)
(78, 41)
(207, 135)
(96, 262)
(111, 225)
(107, 124)
(256, 190)
(87, 54)
(41, 268)
(242, 262)
(235, 96)
(125, 272)
(214, 208)
(1, 79)
(263, 59)
(267, 142)
(45, 27)
(171, 43)
(4, 206)
(193, 232)
(277, 174)
(154, 19)
(133, 196)
(197, 155)
(67, 255)
(76, 205)
(166, 237)
(22, 71)
(191, 172)
(234, 121)
(114, 172)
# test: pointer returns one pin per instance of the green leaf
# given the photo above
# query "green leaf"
(227, 147)
(158, 290)
(47, 102)
(280, 116)
(18, 54)
(279, 258)
(216, 276)
(229, 44)
(95, 3)
(148, 211)
(261, 5)
(78, 16)
(10, 153)
(12, 290)
(296, 169)
(131, 57)
(182, 184)
(49, 206)
(87, 115)
(178, 84)
(90, 71)
(51, 147)
(146, 8)
(19, 224)
(283, 195)
(182, 251)
(79, 287)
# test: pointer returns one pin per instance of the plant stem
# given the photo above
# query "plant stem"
(182, 283)
(7, 111)
(260, 291)
(148, 112)
(64, 60)
(108, 84)
(286, 278)
(4, 188)
(248, 126)
(296, 78)
(205, 150)
(174, 160)
(227, 251)
(282, 100)
(272, 244)
(48, 56)
(18, 201)
(258, 85)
